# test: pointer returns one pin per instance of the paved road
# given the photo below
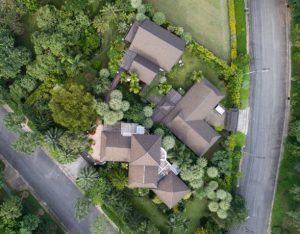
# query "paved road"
(268, 47)
(49, 182)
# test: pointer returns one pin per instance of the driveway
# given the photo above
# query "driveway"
(268, 103)
(48, 181)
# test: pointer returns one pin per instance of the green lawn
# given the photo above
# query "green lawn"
(241, 26)
(195, 210)
(192, 63)
(207, 20)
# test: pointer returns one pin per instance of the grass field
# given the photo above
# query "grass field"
(207, 20)
(192, 63)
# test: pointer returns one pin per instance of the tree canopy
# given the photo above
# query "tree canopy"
(73, 107)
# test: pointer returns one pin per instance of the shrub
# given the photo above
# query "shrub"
(232, 27)
(141, 9)
(222, 214)
(115, 104)
(101, 108)
(213, 185)
(125, 106)
(211, 195)
(116, 94)
(202, 162)
(156, 200)
(213, 206)
(148, 123)
(224, 205)
(159, 132)
(187, 37)
(228, 197)
(197, 76)
(221, 194)
(148, 111)
(168, 142)
(140, 17)
(104, 73)
(159, 18)
(136, 3)
(212, 172)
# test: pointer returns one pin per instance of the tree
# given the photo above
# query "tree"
(295, 191)
(102, 86)
(125, 106)
(159, 18)
(202, 162)
(87, 178)
(118, 178)
(212, 172)
(12, 58)
(164, 88)
(140, 17)
(73, 107)
(52, 137)
(29, 223)
(224, 205)
(148, 123)
(46, 17)
(237, 214)
(212, 185)
(148, 111)
(168, 142)
(13, 120)
(194, 175)
(82, 207)
(223, 161)
(27, 142)
(100, 225)
(10, 210)
(294, 129)
(222, 214)
(187, 37)
(99, 191)
(111, 117)
(74, 142)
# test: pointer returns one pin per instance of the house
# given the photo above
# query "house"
(187, 118)
(152, 48)
(147, 163)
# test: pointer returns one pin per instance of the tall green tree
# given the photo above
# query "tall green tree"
(10, 210)
(12, 58)
(73, 108)
(27, 142)
(13, 120)
(82, 207)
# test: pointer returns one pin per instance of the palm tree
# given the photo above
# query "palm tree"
(52, 136)
(66, 156)
(110, 12)
(87, 178)
(82, 207)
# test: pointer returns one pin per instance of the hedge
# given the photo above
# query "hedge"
(232, 29)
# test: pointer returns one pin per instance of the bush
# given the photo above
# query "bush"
(136, 3)
(104, 73)
(213, 206)
(187, 37)
(125, 106)
(212, 172)
(159, 132)
(148, 123)
(140, 17)
(116, 94)
(168, 142)
(148, 111)
(101, 108)
(115, 104)
(221, 194)
(159, 18)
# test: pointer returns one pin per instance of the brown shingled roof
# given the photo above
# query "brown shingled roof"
(145, 150)
(186, 120)
(114, 147)
(142, 176)
(156, 44)
(145, 69)
(171, 189)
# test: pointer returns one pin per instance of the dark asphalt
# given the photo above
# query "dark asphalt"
(268, 104)
(48, 181)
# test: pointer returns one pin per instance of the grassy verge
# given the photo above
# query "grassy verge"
(290, 165)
